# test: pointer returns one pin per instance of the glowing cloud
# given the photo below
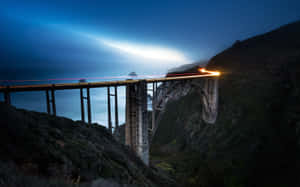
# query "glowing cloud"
(148, 52)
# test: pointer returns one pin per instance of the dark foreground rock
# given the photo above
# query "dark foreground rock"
(256, 139)
(42, 150)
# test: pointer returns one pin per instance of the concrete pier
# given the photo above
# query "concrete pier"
(136, 130)
(209, 98)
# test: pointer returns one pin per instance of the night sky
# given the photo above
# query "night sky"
(68, 39)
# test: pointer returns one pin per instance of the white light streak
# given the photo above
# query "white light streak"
(148, 52)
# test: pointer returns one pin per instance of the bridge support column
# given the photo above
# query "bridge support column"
(116, 108)
(136, 130)
(210, 100)
(89, 111)
(48, 102)
(7, 97)
(88, 103)
(53, 102)
(109, 110)
(82, 104)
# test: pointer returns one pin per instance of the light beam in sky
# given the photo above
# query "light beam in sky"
(158, 55)
(148, 52)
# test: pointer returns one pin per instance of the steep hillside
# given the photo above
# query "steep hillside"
(255, 141)
(42, 150)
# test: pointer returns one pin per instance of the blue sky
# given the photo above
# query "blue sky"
(48, 36)
(64, 39)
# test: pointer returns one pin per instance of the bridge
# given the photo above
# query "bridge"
(136, 125)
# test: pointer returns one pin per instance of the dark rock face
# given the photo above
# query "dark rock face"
(255, 140)
(44, 147)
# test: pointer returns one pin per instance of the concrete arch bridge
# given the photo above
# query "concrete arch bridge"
(137, 126)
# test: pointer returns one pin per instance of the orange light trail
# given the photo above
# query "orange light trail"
(213, 73)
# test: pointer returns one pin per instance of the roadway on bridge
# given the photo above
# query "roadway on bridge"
(62, 86)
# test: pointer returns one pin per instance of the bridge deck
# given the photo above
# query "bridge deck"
(21, 88)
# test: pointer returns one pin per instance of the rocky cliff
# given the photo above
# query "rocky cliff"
(255, 140)
(42, 150)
